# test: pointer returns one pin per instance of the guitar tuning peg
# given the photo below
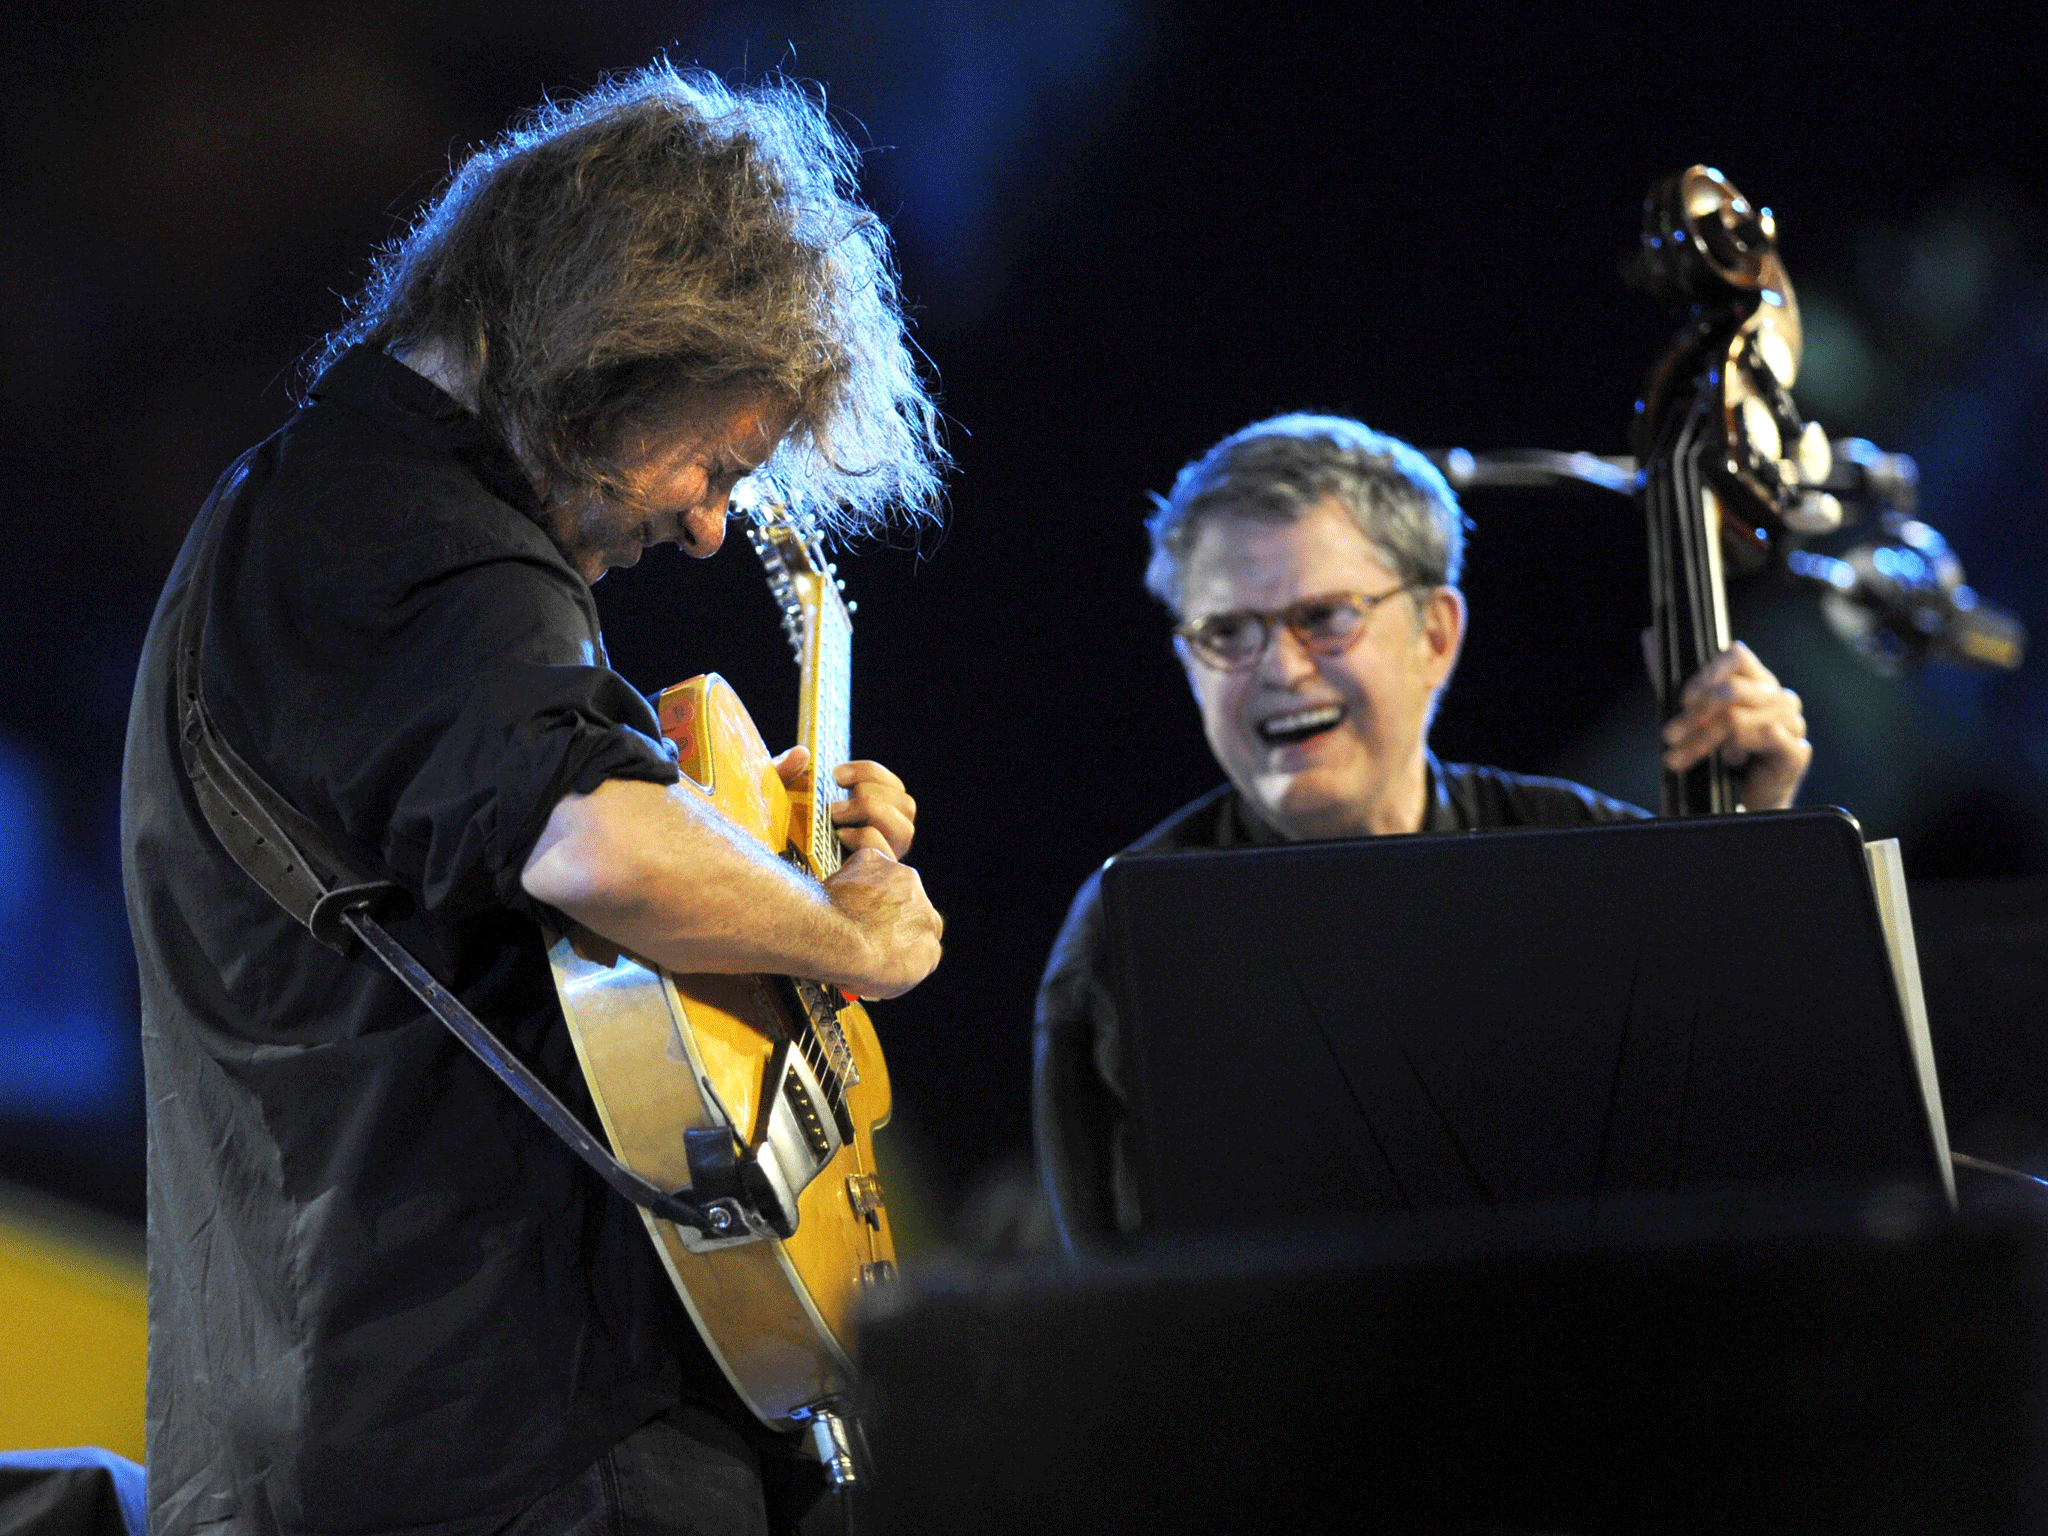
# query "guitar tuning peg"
(853, 607)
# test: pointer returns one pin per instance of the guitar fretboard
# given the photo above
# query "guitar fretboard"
(825, 714)
(819, 623)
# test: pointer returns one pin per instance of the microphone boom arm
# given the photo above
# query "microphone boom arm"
(1895, 601)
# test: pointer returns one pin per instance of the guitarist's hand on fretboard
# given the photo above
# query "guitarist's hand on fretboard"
(877, 811)
(885, 899)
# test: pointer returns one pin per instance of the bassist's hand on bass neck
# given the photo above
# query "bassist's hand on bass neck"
(1735, 706)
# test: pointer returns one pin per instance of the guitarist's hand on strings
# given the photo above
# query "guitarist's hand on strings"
(900, 927)
(660, 870)
(877, 812)
(884, 898)
(1734, 705)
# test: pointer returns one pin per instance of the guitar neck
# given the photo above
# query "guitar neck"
(819, 623)
(824, 705)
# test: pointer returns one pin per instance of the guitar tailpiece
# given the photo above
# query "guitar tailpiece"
(741, 1195)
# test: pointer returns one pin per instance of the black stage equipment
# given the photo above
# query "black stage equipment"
(1481, 1019)
(1678, 1367)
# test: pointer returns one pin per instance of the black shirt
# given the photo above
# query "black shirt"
(382, 1295)
(1078, 1099)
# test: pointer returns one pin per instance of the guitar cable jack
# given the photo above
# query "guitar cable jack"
(832, 1441)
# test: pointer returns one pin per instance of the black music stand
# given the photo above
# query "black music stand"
(1326, 1030)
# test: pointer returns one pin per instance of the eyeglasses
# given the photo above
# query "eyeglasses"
(1326, 625)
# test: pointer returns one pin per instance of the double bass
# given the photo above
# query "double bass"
(1731, 477)
(1728, 466)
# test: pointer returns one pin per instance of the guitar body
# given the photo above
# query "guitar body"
(666, 1054)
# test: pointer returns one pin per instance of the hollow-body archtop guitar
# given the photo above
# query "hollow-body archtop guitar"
(759, 1093)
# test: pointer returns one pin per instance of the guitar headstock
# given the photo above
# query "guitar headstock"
(791, 547)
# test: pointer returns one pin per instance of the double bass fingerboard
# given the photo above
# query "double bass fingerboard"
(1688, 601)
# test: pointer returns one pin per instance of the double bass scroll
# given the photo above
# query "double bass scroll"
(1730, 477)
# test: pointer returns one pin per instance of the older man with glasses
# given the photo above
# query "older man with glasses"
(1314, 565)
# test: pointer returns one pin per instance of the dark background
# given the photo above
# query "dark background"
(1128, 227)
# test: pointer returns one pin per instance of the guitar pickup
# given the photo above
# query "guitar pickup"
(812, 1011)
(807, 1120)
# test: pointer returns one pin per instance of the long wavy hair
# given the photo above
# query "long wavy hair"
(666, 242)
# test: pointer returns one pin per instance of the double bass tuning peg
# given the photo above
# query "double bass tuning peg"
(1813, 514)
(1814, 511)
(1785, 460)
(1813, 455)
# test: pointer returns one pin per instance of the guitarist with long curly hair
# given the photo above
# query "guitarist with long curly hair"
(383, 1295)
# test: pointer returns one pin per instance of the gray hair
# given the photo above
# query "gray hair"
(1280, 468)
(664, 240)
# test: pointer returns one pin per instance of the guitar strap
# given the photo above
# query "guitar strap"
(286, 854)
